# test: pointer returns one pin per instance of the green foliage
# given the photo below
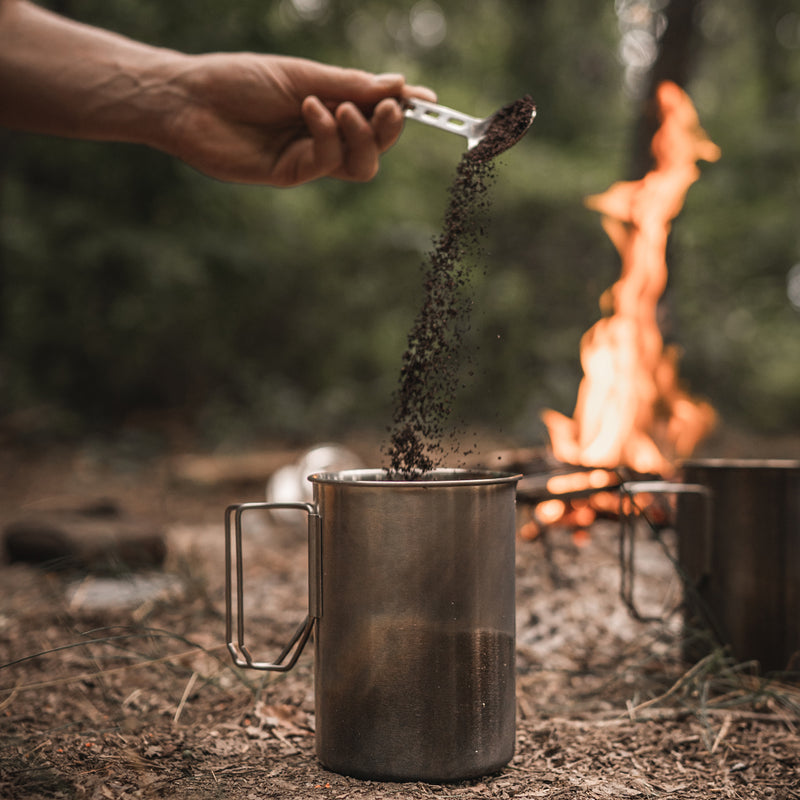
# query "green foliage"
(132, 283)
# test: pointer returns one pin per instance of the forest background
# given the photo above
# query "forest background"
(136, 292)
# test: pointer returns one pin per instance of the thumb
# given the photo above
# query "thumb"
(337, 84)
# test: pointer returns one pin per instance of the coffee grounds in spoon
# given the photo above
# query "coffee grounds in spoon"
(506, 128)
(429, 376)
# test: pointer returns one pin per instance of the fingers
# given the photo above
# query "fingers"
(361, 152)
(338, 84)
(324, 131)
(334, 85)
(343, 142)
(315, 156)
(339, 143)
(422, 92)
(387, 124)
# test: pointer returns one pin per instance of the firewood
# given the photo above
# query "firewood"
(99, 538)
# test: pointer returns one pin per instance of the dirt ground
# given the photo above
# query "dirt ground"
(120, 686)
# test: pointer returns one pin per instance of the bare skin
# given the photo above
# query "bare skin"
(240, 117)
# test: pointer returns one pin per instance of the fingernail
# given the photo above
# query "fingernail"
(390, 78)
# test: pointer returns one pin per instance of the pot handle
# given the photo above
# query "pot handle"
(627, 517)
(239, 651)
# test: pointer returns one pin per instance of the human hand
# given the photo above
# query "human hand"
(283, 121)
(237, 117)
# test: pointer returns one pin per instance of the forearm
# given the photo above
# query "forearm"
(237, 116)
(64, 78)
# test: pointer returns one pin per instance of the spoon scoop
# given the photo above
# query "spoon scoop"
(493, 134)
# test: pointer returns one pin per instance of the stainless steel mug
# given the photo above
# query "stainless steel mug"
(411, 595)
(743, 564)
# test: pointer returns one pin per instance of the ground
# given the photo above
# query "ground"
(124, 689)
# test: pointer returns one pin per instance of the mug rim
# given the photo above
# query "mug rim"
(742, 463)
(441, 476)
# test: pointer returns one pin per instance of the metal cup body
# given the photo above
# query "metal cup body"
(414, 650)
(743, 568)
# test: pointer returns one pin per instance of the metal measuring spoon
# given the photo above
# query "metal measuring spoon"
(495, 134)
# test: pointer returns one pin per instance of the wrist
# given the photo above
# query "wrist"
(149, 97)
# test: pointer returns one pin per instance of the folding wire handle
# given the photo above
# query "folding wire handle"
(627, 522)
(239, 651)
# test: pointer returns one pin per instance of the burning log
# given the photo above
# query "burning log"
(565, 495)
(568, 495)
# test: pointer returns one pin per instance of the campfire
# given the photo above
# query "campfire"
(627, 448)
(632, 418)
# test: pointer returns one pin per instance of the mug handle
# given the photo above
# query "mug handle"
(627, 519)
(239, 651)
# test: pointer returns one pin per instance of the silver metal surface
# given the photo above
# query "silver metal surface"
(743, 564)
(240, 653)
(415, 642)
(448, 119)
(415, 652)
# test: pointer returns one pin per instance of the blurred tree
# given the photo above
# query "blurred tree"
(673, 28)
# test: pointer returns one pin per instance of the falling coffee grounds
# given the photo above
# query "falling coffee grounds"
(429, 375)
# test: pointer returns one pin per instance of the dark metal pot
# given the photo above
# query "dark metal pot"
(742, 561)
(411, 591)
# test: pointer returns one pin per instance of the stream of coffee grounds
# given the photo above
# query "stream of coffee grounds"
(429, 376)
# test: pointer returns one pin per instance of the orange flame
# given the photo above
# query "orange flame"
(631, 409)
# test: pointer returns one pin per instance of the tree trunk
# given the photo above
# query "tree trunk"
(674, 61)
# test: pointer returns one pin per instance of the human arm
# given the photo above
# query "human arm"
(239, 117)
